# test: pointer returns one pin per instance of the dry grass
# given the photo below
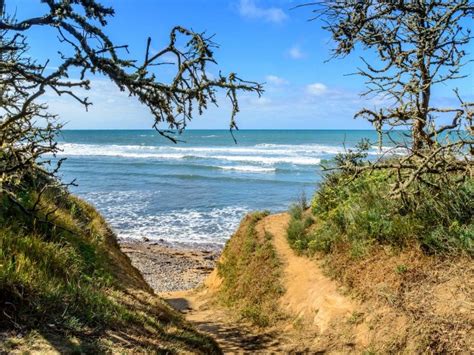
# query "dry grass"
(412, 302)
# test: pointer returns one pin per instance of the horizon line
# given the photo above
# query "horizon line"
(223, 129)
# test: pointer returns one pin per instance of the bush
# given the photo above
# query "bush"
(300, 222)
(361, 212)
(296, 211)
(322, 239)
(295, 231)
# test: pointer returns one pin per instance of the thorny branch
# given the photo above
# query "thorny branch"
(28, 132)
(419, 44)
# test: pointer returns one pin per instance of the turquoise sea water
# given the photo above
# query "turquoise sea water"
(197, 191)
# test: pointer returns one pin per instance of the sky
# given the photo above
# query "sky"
(260, 40)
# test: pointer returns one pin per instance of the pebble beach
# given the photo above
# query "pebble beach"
(167, 268)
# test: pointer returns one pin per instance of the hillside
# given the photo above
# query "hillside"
(67, 287)
(391, 301)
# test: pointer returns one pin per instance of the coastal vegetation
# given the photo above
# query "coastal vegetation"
(360, 213)
(408, 265)
(251, 273)
(66, 286)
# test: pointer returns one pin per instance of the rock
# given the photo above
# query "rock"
(145, 239)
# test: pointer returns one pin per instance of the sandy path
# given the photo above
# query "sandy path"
(232, 336)
(310, 295)
(311, 299)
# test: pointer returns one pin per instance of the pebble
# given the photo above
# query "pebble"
(167, 269)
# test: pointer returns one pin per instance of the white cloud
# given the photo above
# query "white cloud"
(296, 106)
(316, 89)
(275, 80)
(295, 52)
(262, 101)
(111, 108)
(249, 9)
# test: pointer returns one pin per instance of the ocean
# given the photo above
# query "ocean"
(195, 192)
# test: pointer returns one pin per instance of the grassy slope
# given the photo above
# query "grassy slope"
(413, 266)
(411, 302)
(70, 288)
(250, 272)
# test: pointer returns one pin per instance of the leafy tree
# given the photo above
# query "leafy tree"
(419, 44)
(28, 131)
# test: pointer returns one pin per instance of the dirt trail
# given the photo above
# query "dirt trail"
(311, 301)
(310, 295)
(231, 335)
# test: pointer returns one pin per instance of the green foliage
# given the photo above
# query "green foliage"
(353, 157)
(296, 231)
(53, 278)
(250, 270)
(361, 211)
(401, 269)
(299, 223)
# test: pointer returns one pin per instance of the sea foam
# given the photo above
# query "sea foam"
(256, 155)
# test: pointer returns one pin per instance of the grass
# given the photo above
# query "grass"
(66, 285)
(251, 270)
(361, 213)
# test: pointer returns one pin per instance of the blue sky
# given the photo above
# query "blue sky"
(261, 40)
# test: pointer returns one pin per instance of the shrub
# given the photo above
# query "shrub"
(300, 222)
(360, 211)
(296, 211)
(322, 239)
(295, 231)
